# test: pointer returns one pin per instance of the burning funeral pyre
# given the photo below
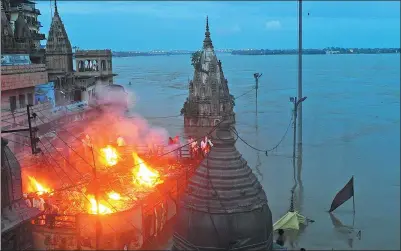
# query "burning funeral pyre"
(62, 180)
(118, 189)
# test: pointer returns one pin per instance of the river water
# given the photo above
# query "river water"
(351, 126)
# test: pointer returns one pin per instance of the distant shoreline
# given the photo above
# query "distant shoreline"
(327, 51)
(258, 52)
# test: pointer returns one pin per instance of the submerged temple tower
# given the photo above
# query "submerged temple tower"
(224, 206)
(209, 99)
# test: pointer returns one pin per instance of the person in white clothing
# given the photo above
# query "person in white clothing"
(27, 200)
(210, 143)
(194, 147)
(203, 147)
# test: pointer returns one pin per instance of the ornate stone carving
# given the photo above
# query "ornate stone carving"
(206, 88)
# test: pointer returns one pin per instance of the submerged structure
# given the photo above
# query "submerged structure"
(209, 100)
(225, 206)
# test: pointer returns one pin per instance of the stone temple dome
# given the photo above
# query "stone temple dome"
(22, 31)
(225, 206)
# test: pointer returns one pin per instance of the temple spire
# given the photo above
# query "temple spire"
(207, 42)
(207, 26)
(55, 7)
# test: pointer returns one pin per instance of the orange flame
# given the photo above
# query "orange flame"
(110, 155)
(93, 207)
(144, 175)
(35, 186)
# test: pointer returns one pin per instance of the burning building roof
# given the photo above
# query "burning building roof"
(63, 175)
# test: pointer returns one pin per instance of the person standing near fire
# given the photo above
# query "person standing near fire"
(209, 144)
(39, 203)
(191, 144)
(87, 145)
(177, 144)
(51, 212)
(170, 148)
(204, 146)
(120, 141)
(27, 200)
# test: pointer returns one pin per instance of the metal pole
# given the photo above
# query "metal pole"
(353, 195)
(97, 200)
(257, 85)
(299, 113)
(30, 129)
(295, 128)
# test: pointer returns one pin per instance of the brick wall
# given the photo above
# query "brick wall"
(5, 97)
(22, 76)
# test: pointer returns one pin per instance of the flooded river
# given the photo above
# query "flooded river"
(351, 126)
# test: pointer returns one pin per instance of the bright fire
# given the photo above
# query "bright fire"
(114, 196)
(110, 155)
(35, 186)
(102, 208)
(143, 175)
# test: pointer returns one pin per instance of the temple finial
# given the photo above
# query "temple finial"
(207, 42)
(55, 7)
(207, 24)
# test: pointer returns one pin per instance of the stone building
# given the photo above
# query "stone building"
(59, 61)
(209, 100)
(16, 231)
(21, 57)
(21, 33)
(94, 71)
(225, 206)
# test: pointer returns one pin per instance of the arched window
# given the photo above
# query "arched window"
(81, 66)
(95, 65)
(86, 65)
(103, 65)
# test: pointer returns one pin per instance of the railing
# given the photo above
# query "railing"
(158, 150)
(92, 53)
(55, 221)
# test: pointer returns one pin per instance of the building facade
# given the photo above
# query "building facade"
(94, 71)
(209, 100)
(21, 32)
(59, 61)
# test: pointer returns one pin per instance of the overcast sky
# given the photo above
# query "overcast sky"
(147, 25)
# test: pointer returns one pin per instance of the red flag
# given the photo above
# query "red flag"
(345, 194)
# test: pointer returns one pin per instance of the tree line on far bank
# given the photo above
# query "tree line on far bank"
(329, 50)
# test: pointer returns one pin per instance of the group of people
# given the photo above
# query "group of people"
(200, 150)
(196, 149)
(49, 209)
